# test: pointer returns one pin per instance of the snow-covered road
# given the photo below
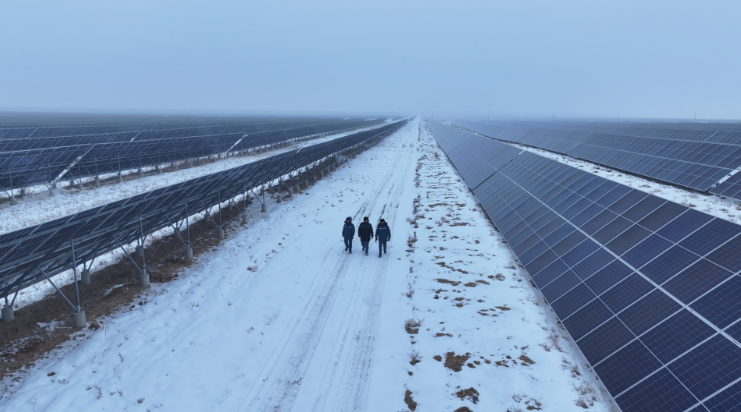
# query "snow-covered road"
(280, 318)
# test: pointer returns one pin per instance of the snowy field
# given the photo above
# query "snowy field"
(280, 318)
(38, 207)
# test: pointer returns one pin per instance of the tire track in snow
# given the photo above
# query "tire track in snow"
(356, 376)
(285, 374)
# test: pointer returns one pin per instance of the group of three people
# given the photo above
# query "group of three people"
(365, 233)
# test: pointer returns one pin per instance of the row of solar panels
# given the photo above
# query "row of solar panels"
(697, 159)
(43, 165)
(153, 129)
(647, 288)
(102, 229)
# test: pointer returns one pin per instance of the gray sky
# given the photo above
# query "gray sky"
(513, 58)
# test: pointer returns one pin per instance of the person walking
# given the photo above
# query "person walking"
(383, 235)
(365, 233)
(348, 233)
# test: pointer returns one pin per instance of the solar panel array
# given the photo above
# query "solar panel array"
(647, 288)
(42, 160)
(102, 229)
(697, 158)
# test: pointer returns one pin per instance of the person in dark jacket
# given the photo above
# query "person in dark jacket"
(348, 233)
(383, 235)
(365, 233)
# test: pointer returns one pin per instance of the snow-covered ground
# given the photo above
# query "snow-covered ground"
(280, 318)
(723, 208)
(38, 207)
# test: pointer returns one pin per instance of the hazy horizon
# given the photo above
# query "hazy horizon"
(534, 59)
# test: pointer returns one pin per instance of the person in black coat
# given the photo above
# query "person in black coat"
(348, 233)
(365, 233)
(383, 235)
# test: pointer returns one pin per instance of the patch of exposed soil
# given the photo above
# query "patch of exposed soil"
(503, 308)
(526, 360)
(463, 409)
(455, 362)
(409, 401)
(450, 282)
(470, 393)
(437, 358)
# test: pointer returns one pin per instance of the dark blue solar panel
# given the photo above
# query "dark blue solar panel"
(709, 367)
(605, 340)
(722, 305)
(685, 224)
(669, 264)
(593, 263)
(611, 230)
(648, 311)
(660, 392)
(645, 251)
(661, 216)
(734, 331)
(728, 255)
(599, 222)
(626, 292)
(627, 201)
(586, 215)
(572, 301)
(569, 242)
(550, 273)
(561, 285)
(623, 237)
(532, 253)
(727, 401)
(541, 262)
(643, 208)
(613, 196)
(587, 318)
(559, 234)
(710, 236)
(626, 367)
(676, 335)
(697, 279)
(608, 276)
(580, 252)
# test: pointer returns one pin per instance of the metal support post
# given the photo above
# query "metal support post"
(144, 278)
(7, 311)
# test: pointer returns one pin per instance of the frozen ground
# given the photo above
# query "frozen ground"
(280, 318)
(723, 208)
(38, 207)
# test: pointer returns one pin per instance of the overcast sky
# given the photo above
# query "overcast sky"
(510, 58)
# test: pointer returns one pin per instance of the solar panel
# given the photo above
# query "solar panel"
(648, 289)
(673, 153)
(41, 160)
(99, 230)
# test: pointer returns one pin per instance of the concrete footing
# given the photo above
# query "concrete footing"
(244, 219)
(220, 233)
(144, 280)
(97, 181)
(188, 252)
(80, 320)
(85, 276)
(139, 252)
(23, 191)
(13, 200)
(141, 173)
(264, 208)
(7, 313)
(120, 179)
